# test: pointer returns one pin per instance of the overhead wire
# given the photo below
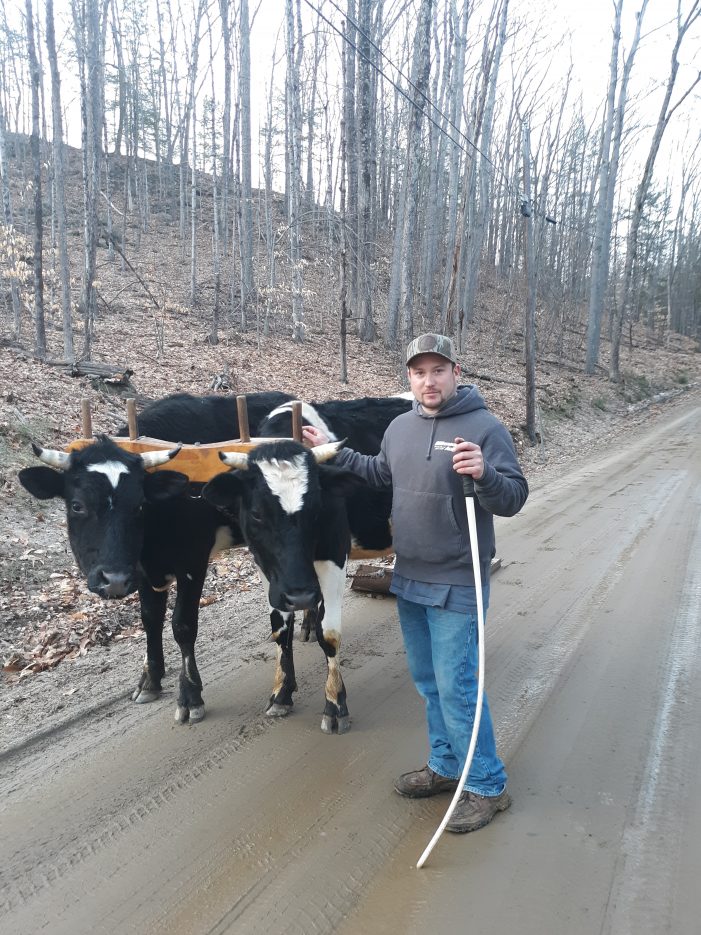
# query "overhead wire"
(547, 215)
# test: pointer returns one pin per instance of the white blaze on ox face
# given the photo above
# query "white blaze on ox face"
(111, 469)
(287, 480)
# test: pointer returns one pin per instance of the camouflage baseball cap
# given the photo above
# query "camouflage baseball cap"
(432, 344)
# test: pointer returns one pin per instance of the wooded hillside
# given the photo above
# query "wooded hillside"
(414, 158)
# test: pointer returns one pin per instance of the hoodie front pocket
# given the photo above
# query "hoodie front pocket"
(425, 526)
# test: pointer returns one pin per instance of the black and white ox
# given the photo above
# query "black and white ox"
(291, 510)
(131, 530)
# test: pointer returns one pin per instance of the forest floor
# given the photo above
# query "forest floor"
(49, 621)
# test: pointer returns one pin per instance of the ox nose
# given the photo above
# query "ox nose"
(301, 599)
(113, 584)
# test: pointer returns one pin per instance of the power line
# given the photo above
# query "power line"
(548, 216)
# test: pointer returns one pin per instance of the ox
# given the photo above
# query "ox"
(130, 530)
(291, 512)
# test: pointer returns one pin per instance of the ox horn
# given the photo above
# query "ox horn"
(57, 459)
(235, 459)
(324, 452)
(152, 459)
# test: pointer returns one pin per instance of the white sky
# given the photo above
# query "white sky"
(553, 29)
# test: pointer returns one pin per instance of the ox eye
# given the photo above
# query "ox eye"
(77, 507)
(255, 516)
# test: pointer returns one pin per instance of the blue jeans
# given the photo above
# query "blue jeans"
(441, 648)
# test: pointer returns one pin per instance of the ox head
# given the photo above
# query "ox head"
(285, 499)
(105, 490)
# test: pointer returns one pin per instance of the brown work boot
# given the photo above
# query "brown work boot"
(424, 782)
(475, 811)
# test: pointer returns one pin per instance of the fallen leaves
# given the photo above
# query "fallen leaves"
(62, 621)
(65, 639)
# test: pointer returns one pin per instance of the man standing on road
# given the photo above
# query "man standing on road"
(433, 578)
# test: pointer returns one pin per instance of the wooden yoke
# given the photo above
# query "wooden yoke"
(199, 462)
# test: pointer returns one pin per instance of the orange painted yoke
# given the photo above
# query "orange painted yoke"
(199, 462)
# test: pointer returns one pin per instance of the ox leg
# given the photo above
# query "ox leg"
(308, 624)
(185, 618)
(282, 625)
(153, 612)
(285, 683)
(328, 633)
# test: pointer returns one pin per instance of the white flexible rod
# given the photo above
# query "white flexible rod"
(468, 485)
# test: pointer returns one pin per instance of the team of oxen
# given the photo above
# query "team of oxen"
(298, 514)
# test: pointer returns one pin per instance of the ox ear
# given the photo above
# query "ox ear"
(42, 482)
(338, 481)
(164, 485)
(224, 490)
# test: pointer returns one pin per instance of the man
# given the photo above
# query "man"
(433, 579)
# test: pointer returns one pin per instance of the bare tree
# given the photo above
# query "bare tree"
(9, 227)
(403, 297)
(667, 110)
(191, 110)
(90, 19)
(491, 60)
(293, 42)
(608, 172)
(35, 142)
(366, 172)
(246, 237)
(59, 184)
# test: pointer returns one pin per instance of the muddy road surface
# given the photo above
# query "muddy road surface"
(122, 821)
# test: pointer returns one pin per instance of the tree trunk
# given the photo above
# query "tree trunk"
(192, 110)
(476, 239)
(246, 239)
(349, 117)
(35, 143)
(7, 220)
(59, 182)
(404, 295)
(294, 123)
(343, 291)
(226, 125)
(90, 19)
(366, 176)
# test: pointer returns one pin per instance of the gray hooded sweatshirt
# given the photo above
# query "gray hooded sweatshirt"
(429, 519)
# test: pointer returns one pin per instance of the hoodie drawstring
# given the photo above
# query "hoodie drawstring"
(430, 441)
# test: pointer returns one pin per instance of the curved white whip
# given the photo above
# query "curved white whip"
(469, 488)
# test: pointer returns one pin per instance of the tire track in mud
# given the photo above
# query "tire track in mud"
(546, 660)
(644, 881)
(48, 871)
(54, 858)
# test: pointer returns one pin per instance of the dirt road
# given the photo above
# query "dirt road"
(123, 822)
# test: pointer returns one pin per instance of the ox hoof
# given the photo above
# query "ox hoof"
(278, 710)
(196, 714)
(144, 695)
(192, 714)
(330, 724)
(181, 714)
